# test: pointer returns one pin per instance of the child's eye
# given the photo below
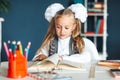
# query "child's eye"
(57, 26)
(66, 28)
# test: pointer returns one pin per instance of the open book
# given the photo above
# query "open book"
(53, 62)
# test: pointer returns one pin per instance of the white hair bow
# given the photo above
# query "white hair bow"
(79, 10)
(52, 9)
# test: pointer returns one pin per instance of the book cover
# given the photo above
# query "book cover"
(97, 26)
(115, 73)
(78, 1)
(89, 32)
(43, 75)
(98, 5)
(47, 75)
(110, 63)
(101, 26)
(94, 10)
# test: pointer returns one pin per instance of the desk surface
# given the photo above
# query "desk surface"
(101, 73)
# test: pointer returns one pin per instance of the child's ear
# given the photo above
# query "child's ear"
(74, 26)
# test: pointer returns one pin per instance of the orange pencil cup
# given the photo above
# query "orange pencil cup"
(17, 66)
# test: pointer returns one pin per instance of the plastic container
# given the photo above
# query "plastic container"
(17, 65)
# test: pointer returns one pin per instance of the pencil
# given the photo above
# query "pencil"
(6, 49)
(27, 49)
(20, 47)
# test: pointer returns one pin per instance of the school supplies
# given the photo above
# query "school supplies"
(115, 73)
(6, 49)
(34, 76)
(92, 71)
(47, 75)
(63, 78)
(17, 61)
(110, 63)
(52, 63)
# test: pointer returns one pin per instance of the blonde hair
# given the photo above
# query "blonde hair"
(75, 34)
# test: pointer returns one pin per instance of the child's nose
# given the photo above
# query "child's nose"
(62, 31)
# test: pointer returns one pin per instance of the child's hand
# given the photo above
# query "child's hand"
(40, 57)
(60, 58)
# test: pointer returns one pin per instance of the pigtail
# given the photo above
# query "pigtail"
(79, 43)
(77, 38)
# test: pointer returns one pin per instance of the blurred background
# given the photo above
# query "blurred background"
(25, 22)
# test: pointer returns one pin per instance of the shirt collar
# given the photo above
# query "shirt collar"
(64, 40)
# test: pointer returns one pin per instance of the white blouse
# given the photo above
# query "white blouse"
(89, 53)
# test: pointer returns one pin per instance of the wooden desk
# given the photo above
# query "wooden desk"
(101, 73)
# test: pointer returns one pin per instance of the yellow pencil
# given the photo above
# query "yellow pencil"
(20, 47)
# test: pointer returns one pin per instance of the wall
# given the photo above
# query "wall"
(25, 22)
(113, 29)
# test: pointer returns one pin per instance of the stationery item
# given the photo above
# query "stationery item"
(9, 42)
(101, 26)
(92, 72)
(62, 78)
(34, 76)
(115, 73)
(52, 63)
(48, 75)
(11, 56)
(17, 62)
(109, 63)
(29, 44)
(13, 46)
(98, 5)
(17, 65)
(43, 75)
(6, 49)
(78, 1)
(20, 47)
(27, 49)
(97, 26)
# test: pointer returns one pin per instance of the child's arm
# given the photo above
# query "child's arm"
(85, 57)
(40, 55)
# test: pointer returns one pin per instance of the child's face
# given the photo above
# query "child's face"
(64, 26)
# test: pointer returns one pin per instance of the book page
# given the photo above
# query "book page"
(41, 67)
(73, 64)
(53, 59)
(49, 66)
(68, 67)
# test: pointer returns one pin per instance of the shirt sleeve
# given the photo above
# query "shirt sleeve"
(91, 48)
(84, 57)
(89, 54)
(44, 51)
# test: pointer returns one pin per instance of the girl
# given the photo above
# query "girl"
(63, 35)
